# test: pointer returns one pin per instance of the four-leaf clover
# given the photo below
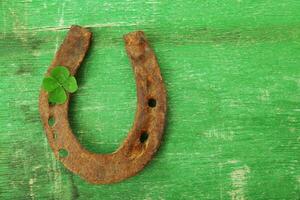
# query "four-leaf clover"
(58, 83)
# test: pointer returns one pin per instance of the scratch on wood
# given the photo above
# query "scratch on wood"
(54, 173)
(4, 20)
(60, 28)
(62, 14)
(30, 183)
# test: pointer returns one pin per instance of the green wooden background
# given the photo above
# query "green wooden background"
(232, 72)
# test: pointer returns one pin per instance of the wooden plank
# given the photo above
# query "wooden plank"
(232, 73)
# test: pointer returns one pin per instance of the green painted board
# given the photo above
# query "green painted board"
(232, 72)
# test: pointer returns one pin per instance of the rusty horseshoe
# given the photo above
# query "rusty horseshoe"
(143, 139)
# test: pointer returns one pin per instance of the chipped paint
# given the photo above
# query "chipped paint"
(30, 183)
(239, 183)
(215, 133)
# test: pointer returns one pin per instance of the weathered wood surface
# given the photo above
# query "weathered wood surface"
(232, 72)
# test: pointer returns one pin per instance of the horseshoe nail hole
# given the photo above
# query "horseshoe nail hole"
(51, 121)
(144, 137)
(62, 153)
(152, 103)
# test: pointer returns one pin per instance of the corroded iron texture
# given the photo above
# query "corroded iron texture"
(143, 139)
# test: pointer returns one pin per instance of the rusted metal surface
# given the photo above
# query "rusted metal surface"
(143, 139)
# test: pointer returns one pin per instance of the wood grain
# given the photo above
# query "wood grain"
(232, 74)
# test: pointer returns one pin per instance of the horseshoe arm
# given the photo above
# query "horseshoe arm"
(143, 139)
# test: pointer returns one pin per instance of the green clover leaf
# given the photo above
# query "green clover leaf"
(50, 84)
(70, 84)
(58, 84)
(58, 95)
(60, 73)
